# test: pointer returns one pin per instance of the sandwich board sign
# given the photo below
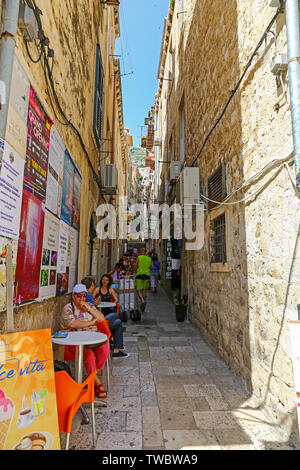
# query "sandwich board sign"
(28, 410)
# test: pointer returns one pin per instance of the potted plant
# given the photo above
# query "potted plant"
(181, 303)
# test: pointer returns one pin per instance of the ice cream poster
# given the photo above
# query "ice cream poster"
(28, 410)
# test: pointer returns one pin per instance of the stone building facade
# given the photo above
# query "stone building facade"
(83, 36)
(242, 296)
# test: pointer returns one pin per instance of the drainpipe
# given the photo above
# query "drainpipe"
(7, 53)
(293, 41)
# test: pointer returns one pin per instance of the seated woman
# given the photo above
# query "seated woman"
(107, 294)
(81, 315)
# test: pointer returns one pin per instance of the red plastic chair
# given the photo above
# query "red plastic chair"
(70, 395)
(117, 305)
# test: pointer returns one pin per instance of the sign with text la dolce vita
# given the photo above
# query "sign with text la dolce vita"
(28, 410)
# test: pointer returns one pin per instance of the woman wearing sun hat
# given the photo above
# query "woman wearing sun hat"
(83, 316)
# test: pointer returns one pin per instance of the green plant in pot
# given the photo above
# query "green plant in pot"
(181, 303)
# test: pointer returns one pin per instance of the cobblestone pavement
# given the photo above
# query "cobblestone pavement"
(174, 392)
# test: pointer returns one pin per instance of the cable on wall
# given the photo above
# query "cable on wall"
(45, 53)
(233, 92)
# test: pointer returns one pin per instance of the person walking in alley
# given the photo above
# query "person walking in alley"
(142, 268)
(82, 315)
(103, 294)
(154, 273)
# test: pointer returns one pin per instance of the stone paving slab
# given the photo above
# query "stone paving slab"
(174, 392)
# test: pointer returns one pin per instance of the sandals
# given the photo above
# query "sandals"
(100, 392)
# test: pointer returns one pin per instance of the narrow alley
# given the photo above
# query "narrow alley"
(175, 393)
(145, 142)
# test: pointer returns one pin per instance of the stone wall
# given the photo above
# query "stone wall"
(242, 307)
(74, 29)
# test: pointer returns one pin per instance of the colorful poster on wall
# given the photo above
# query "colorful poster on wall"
(49, 257)
(75, 221)
(38, 138)
(29, 248)
(62, 260)
(72, 258)
(71, 193)
(294, 329)
(16, 129)
(11, 189)
(68, 189)
(3, 244)
(28, 410)
(55, 172)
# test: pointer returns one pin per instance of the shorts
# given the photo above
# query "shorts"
(142, 284)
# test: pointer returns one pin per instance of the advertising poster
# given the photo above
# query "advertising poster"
(11, 189)
(16, 130)
(38, 138)
(72, 258)
(62, 260)
(68, 189)
(294, 329)
(29, 248)
(49, 257)
(75, 220)
(71, 193)
(55, 172)
(28, 409)
(168, 259)
(3, 244)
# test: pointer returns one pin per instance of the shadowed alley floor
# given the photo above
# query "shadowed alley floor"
(174, 392)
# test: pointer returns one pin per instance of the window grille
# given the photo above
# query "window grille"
(218, 240)
(98, 99)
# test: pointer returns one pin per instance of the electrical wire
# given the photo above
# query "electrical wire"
(45, 53)
(233, 92)
(284, 164)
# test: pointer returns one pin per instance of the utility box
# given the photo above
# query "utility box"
(279, 64)
(188, 186)
(27, 23)
(175, 168)
(110, 179)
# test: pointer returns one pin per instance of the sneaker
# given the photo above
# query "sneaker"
(120, 354)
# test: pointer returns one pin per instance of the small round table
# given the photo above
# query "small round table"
(80, 339)
(106, 304)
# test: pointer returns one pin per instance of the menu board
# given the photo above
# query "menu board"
(38, 138)
(11, 188)
(28, 409)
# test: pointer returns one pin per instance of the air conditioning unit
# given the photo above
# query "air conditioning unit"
(27, 23)
(110, 179)
(188, 186)
(175, 168)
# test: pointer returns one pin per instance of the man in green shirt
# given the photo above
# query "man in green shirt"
(142, 268)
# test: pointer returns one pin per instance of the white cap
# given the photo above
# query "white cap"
(79, 288)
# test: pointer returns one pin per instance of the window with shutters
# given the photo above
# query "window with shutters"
(98, 98)
(217, 186)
